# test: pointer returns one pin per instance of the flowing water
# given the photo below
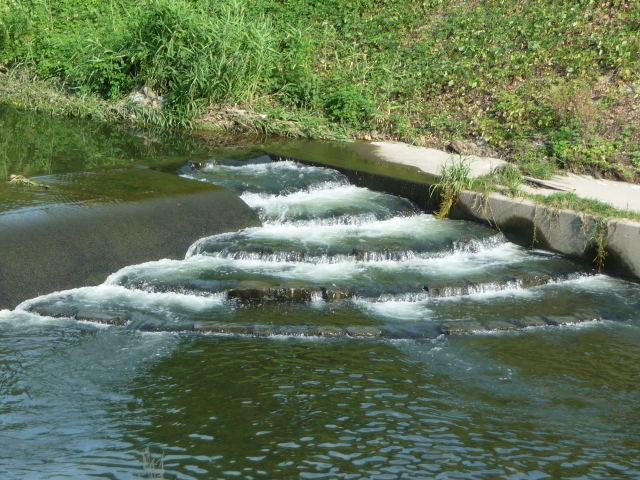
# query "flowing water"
(351, 336)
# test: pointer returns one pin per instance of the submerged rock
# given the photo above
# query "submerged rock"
(465, 287)
(55, 310)
(461, 327)
(228, 328)
(152, 323)
(556, 320)
(260, 293)
(500, 325)
(270, 294)
(270, 330)
(336, 293)
(363, 332)
(330, 332)
(467, 327)
(532, 322)
(108, 318)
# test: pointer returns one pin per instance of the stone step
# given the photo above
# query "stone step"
(463, 287)
(150, 323)
(466, 327)
(288, 294)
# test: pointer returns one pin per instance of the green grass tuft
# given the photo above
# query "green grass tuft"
(454, 178)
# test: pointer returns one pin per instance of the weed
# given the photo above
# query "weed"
(572, 102)
(153, 466)
(510, 176)
(348, 105)
(587, 153)
(454, 178)
(600, 235)
(532, 159)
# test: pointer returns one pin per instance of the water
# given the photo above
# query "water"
(197, 383)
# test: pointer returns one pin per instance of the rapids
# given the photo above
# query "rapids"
(447, 352)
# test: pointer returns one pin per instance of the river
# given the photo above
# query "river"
(315, 346)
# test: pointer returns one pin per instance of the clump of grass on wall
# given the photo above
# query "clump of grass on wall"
(454, 178)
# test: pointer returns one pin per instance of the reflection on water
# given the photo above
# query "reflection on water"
(37, 144)
(83, 400)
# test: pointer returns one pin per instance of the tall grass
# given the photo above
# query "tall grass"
(191, 52)
(202, 53)
(455, 176)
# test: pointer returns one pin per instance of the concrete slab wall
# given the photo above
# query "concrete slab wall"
(562, 231)
(61, 246)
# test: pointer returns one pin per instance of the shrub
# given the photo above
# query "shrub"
(349, 106)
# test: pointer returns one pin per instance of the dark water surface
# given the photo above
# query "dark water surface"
(304, 390)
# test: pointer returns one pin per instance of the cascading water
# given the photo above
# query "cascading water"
(355, 291)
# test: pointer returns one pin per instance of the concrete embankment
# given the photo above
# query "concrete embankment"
(522, 221)
(88, 225)
(564, 231)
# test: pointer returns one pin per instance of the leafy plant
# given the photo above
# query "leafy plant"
(510, 176)
(349, 106)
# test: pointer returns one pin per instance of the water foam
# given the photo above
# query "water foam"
(275, 177)
(329, 199)
(277, 167)
(397, 308)
(114, 296)
(400, 238)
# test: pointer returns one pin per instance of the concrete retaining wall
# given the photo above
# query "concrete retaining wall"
(562, 231)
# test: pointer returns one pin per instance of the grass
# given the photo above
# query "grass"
(454, 178)
(570, 201)
(549, 85)
(153, 465)
(22, 88)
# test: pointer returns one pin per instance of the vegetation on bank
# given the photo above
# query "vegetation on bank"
(548, 84)
(456, 177)
(596, 215)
